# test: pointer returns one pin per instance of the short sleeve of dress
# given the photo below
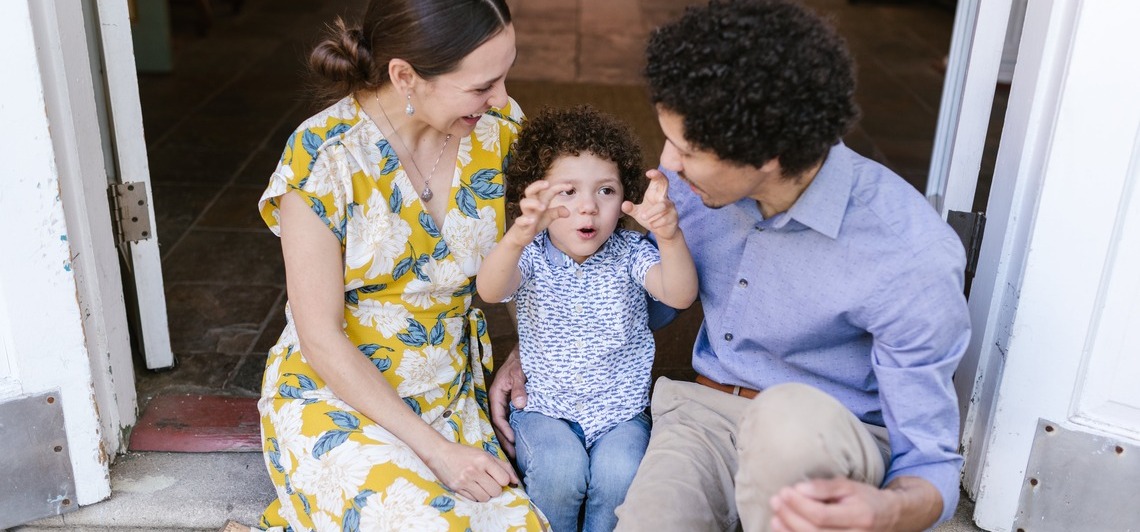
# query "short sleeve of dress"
(317, 170)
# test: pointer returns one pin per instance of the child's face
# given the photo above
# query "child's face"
(594, 203)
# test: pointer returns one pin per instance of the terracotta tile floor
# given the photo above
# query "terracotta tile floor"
(216, 124)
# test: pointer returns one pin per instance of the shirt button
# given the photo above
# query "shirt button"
(578, 274)
(447, 413)
(728, 336)
(759, 229)
(578, 309)
(579, 343)
(744, 283)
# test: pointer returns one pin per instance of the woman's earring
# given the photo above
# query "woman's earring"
(408, 109)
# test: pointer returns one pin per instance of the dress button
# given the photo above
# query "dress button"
(728, 336)
(744, 283)
(447, 413)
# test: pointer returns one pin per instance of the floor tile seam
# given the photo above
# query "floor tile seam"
(278, 306)
(914, 95)
(162, 138)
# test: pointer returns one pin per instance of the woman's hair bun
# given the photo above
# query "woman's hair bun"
(343, 59)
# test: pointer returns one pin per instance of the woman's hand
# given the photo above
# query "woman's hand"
(472, 473)
(656, 211)
(536, 211)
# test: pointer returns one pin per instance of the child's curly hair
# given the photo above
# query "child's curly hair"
(555, 133)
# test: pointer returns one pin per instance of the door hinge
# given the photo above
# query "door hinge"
(970, 227)
(130, 212)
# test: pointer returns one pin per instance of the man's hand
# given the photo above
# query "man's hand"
(908, 503)
(509, 386)
(656, 211)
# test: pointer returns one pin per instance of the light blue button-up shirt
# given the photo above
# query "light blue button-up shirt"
(584, 338)
(855, 290)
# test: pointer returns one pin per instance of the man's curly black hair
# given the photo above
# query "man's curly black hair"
(753, 80)
(555, 133)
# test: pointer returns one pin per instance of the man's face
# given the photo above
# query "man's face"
(716, 181)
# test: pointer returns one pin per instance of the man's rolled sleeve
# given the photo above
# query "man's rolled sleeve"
(921, 329)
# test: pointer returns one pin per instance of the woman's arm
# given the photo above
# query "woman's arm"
(315, 281)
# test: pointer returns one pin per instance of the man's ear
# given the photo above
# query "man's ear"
(402, 75)
(772, 166)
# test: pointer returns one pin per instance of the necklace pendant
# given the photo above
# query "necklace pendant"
(427, 194)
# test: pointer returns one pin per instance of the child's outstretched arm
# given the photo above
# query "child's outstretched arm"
(499, 275)
(674, 280)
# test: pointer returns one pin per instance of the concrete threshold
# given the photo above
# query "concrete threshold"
(159, 491)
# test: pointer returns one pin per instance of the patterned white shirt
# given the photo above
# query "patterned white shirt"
(584, 336)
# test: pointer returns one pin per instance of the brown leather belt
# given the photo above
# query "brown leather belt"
(747, 393)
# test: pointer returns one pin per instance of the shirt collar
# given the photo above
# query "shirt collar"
(822, 205)
(558, 259)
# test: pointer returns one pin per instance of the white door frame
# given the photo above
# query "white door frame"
(60, 319)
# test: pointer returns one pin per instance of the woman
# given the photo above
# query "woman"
(373, 406)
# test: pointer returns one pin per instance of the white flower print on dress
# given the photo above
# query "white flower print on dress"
(395, 452)
(401, 181)
(495, 515)
(325, 394)
(375, 235)
(446, 279)
(455, 329)
(463, 158)
(487, 131)
(401, 508)
(385, 317)
(323, 522)
(288, 424)
(335, 476)
(470, 239)
(325, 179)
(425, 372)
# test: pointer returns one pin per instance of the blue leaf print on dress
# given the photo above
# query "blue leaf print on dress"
(371, 349)
(351, 521)
(416, 335)
(466, 202)
(436, 336)
(466, 289)
(382, 364)
(344, 420)
(428, 223)
(304, 380)
(311, 142)
(396, 200)
(291, 392)
(413, 405)
(440, 252)
(328, 441)
(361, 499)
(402, 268)
(305, 504)
(443, 503)
(418, 268)
(390, 160)
(275, 455)
(483, 187)
(337, 130)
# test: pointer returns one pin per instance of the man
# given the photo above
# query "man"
(832, 292)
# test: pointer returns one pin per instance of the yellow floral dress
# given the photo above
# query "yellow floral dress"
(408, 285)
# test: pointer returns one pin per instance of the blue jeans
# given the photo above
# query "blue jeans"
(560, 473)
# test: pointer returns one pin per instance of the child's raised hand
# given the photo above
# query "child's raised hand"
(656, 211)
(536, 210)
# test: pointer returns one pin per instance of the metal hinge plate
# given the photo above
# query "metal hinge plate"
(131, 212)
(970, 227)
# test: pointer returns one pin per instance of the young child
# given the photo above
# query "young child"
(579, 283)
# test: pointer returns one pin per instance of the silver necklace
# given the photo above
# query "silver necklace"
(425, 194)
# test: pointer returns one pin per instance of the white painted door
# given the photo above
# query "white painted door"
(72, 126)
(1056, 300)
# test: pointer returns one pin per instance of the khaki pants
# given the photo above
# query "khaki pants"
(715, 459)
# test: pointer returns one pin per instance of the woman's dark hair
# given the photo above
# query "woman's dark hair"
(432, 35)
(754, 80)
(555, 133)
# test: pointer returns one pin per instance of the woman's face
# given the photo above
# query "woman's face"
(454, 102)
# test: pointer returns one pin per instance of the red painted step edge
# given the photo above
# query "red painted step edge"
(198, 424)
